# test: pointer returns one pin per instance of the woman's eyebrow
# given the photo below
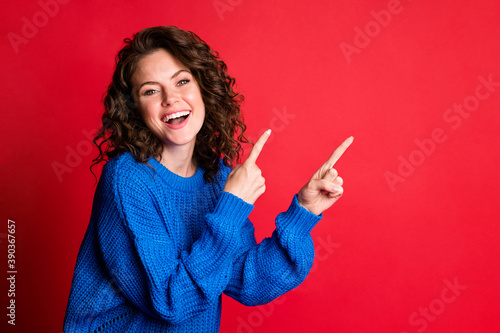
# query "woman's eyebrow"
(155, 82)
(180, 71)
(147, 82)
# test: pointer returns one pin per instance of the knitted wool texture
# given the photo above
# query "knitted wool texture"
(160, 250)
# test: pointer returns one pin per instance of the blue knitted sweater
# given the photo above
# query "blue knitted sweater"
(160, 250)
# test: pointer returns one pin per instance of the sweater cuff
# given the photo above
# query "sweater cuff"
(232, 209)
(297, 220)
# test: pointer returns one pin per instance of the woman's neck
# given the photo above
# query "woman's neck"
(179, 160)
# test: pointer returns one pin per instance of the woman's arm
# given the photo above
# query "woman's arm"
(141, 257)
(280, 263)
(265, 271)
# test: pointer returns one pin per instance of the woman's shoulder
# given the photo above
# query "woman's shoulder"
(123, 168)
(121, 162)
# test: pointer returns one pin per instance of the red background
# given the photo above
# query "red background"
(392, 245)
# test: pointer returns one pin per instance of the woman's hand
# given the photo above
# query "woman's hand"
(246, 181)
(325, 186)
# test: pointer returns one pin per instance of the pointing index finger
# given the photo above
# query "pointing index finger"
(257, 148)
(338, 152)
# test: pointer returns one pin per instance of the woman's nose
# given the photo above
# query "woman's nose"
(170, 98)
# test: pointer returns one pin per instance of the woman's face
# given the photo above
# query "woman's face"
(168, 98)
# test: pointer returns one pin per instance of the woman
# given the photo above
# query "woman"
(169, 229)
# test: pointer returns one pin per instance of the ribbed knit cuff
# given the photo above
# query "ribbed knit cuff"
(231, 208)
(297, 220)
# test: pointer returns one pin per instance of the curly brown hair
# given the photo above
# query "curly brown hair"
(123, 129)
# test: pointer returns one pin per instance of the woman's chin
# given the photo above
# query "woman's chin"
(178, 142)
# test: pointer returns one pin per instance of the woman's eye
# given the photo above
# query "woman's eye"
(149, 92)
(182, 82)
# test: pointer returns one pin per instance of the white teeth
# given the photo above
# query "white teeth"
(175, 115)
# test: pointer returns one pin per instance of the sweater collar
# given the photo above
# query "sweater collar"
(173, 180)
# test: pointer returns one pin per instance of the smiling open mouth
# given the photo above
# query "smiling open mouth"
(176, 118)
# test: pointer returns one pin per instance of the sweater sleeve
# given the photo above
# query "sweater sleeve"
(141, 257)
(265, 271)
